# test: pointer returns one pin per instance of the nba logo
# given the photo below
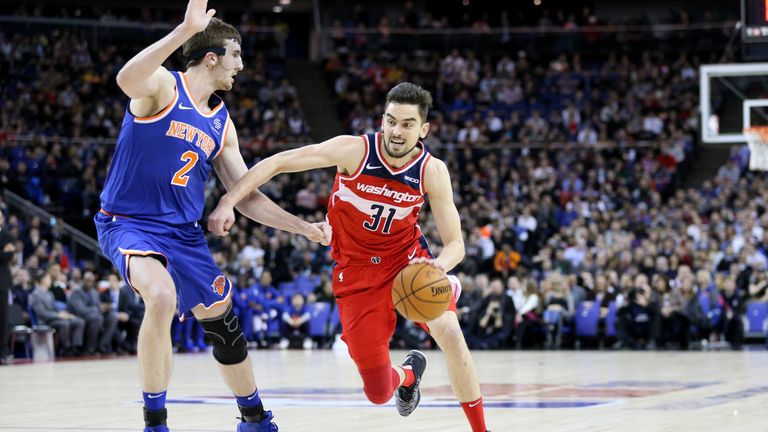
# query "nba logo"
(217, 123)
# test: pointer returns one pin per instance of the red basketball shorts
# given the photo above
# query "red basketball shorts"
(368, 317)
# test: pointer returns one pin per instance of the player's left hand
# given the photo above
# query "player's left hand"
(428, 261)
(221, 220)
(197, 17)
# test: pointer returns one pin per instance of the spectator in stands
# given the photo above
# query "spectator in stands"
(22, 288)
(470, 299)
(296, 324)
(628, 195)
(494, 321)
(324, 291)
(129, 303)
(59, 288)
(558, 309)
(69, 327)
(698, 327)
(758, 286)
(7, 253)
(734, 306)
(528, 319)
(635, 321)
(506, 261)
(306, 199)
(100, 320)
(111, 296)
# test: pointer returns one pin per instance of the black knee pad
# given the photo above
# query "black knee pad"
(227, 338)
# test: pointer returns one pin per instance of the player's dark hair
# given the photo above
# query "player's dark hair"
(212, 39)
(411, 94)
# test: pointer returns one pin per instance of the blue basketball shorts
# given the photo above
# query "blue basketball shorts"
(182, 249)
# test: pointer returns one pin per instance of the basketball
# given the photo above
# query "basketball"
(421, 292)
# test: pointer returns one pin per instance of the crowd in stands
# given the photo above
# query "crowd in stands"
(512, 99)
(549, 233)
(95, 312)
(60, 111)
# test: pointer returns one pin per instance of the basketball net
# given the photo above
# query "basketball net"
(757, 139)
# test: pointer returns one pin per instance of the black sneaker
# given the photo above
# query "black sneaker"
(408, 398)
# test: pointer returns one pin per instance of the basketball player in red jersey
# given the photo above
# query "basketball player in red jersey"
(379, 190)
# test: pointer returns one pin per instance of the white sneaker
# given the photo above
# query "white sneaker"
(308, 345)
(284, 343)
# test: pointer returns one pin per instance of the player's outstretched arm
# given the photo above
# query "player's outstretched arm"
(346, 152)
(143, 78)
(437, 183)
(230, 167)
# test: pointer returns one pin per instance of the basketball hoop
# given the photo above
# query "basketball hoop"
(757, 138)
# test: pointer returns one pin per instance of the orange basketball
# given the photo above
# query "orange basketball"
(421, 292)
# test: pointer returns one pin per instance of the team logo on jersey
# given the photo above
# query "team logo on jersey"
(218, 285)
(191, 134)
(385, 191)
(217, 123)
(411, 179)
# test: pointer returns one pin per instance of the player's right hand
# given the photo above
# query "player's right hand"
(319, 233)
(222, 219)
(196, 18)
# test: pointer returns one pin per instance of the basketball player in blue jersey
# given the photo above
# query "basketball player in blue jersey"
(175, 131)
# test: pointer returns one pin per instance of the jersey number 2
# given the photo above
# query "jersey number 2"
(181, 177)
(373, 224)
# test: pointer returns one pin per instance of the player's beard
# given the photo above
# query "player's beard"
(226, 85)
(394, 154)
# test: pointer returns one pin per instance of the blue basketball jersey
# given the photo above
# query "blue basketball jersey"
(161, 163)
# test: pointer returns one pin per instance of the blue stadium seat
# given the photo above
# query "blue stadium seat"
(335, 323)
(304, 284)
(318, 321)
(756, 320)
(586, 319)
(287, 289)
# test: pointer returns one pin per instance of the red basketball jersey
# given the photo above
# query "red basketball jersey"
(374, 212)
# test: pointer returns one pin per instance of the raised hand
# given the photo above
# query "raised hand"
(196, 18)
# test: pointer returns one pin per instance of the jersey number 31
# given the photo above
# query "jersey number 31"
(375, 221)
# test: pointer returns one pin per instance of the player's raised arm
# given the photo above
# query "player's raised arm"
(143, 78)
(344, 151)
(437, 184)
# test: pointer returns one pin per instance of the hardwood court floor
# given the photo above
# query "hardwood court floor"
(320, 391)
